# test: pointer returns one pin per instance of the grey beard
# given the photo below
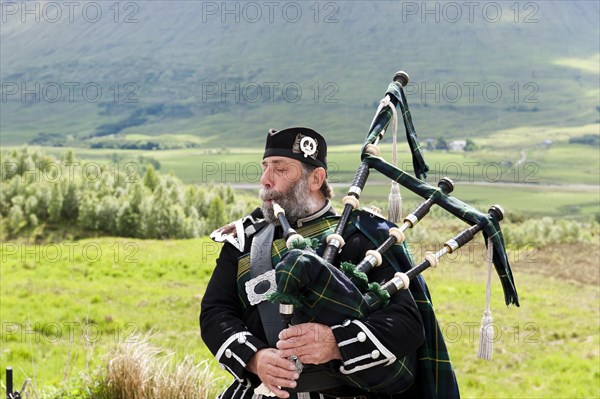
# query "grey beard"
(296, 202)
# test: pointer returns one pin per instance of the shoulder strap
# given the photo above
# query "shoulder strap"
(260, 263)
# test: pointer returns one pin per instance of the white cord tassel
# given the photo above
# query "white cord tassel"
(394, 199)
(395, 204)
(486, 331)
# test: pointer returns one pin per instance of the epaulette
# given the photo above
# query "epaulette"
(372, 210)
(372, 223)
(236, 232)
(372, 219)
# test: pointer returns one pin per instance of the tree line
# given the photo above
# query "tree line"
(36, 189)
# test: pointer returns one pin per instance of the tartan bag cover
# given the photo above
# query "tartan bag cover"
(317, 289)
(322, 286)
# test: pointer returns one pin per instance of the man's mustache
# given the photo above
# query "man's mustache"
(267, 195)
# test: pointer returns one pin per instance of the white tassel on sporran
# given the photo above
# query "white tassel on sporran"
(486, 331)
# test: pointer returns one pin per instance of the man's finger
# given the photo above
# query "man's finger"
(299, 330)
(291, 352)
(280, 393)
(280, 372)
(287, 344)
(282, 382)
(283, 362)
(278, 379)
(290, 332)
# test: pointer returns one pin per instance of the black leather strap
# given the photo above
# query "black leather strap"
(260, 263)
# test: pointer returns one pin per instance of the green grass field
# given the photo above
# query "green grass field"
(574, 203)
(65, 305)
(529, 180)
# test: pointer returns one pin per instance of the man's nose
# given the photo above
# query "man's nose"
(267, 178)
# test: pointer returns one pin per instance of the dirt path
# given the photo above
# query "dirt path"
(577, 262)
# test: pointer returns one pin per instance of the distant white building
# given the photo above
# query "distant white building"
(457, 145)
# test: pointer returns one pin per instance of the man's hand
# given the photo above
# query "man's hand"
(312, 343)
(274, 370)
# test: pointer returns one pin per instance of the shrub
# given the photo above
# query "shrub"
(99, 199)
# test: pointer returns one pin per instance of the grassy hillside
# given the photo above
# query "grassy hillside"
(228, 74)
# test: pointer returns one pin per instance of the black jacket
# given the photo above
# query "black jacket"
(233, 331)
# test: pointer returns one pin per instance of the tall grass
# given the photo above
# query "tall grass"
(139, 370)
(136, 369)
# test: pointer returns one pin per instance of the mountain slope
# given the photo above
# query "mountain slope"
(229, 71)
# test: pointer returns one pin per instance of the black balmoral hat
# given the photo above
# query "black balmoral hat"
(301, 143)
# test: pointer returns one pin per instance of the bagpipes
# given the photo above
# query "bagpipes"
(310, 288)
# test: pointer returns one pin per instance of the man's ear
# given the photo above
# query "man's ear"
(317, 178)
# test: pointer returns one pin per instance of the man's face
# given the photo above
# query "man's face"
(280, 173)
(284, 181)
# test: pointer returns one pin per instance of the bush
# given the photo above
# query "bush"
(16, 219)
(216, 213)
(545, 231)
(69, 192)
